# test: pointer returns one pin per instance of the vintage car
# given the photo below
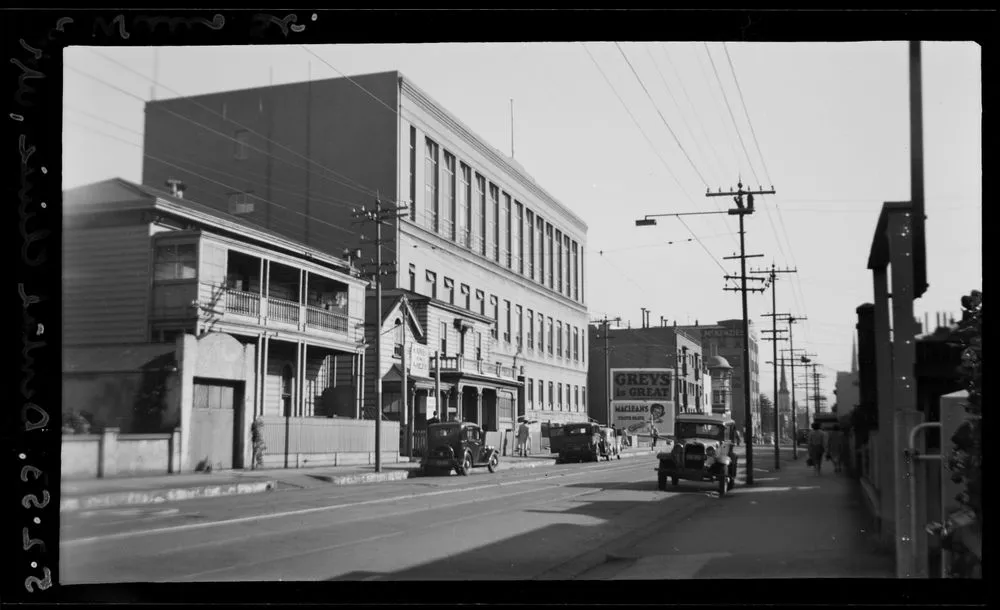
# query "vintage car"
(610, 445)
(459, 446)
(702, 451)
(575, 442)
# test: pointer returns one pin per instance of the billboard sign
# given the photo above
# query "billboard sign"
(637, 416)
(419, 360)
(642, 384)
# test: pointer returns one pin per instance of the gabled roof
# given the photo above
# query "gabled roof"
(120, 195)
(391, 303)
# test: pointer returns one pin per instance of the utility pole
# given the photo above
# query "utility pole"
(773, 276)
(741, 211)
(805, 359)
(774, 344)
(380, 216)
(791, 345)
(816, 378)
(607, 363)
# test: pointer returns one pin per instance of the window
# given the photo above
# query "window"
(413, 278)
(568, 340)
(569, 269)
(583, 345)
(242, 150)
(449, 285)
(559, 260)
(444, 338)
(518, 230)
(541, 332)
(583, 396)
(413, 173)
(465, 206)
(431, 180)
(560, 395)
(506, 332)
(176, 262)
(479, 345)
(507, 231)
(551, 340)
(540, 266)
(519, 330)
(481, 297)
(495, 220)
(481, 225)
(551, 255)
(467, 293)
(551, 393)
(541, 394)
(576, 344)
(531, 329)
(559, 335)
(496, 316)
(432, 287)
(448, 195)
(530, 225)
(240, 203)
(576, 396)
(531, 390)
(576, 274)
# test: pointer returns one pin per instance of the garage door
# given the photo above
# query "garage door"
(213, 417)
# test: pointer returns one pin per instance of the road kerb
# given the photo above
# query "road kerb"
(159, 496)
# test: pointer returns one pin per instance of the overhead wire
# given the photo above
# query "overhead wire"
(651, 145)
(343, 180)
(662, 118)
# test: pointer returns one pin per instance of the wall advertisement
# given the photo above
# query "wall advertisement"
(637, 416)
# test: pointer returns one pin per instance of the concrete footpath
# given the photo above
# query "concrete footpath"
(92, 494)
(792, 523)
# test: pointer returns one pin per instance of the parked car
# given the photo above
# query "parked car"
(610, 445)
(702, 451)
(458, 446)
(578, 441)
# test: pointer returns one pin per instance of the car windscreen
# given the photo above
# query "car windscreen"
(692, 429)
(577, 430)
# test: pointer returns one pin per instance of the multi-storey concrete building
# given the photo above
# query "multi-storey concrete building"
(725, 339)
(650, 347)
(479, 233)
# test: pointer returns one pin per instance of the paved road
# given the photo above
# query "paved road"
(516, 524)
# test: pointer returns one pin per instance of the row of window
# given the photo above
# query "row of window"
(465, 207)
(574, 399)
(560, 339)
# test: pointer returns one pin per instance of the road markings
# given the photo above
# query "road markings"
(318, 509)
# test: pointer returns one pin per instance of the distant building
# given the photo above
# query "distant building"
(480, 234)
(722, 386)
(784, 405)
(725, 338)
(650, 347)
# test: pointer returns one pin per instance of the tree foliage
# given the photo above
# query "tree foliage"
(965, 460)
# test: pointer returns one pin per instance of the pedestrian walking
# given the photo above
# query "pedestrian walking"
(656, 436)
(836, 449)
(818, 444)
(626, 439)
(523, 439)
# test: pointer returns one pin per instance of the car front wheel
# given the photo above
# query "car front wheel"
(661, 481)
(494, 462)
(466, 467)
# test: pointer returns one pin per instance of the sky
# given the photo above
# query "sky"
(617, 131)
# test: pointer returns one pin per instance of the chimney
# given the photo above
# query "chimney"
(176, 187)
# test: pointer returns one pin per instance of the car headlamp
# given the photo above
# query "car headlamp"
(710, 451)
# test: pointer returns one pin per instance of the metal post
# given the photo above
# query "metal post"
(795, 431)
(774, 346)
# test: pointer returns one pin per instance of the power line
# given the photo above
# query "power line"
(746, 112)
(697, 115)
(203, 177)
(673, 98)
(655, 107)
(356, 185)
(651, 145)
(355, 83)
